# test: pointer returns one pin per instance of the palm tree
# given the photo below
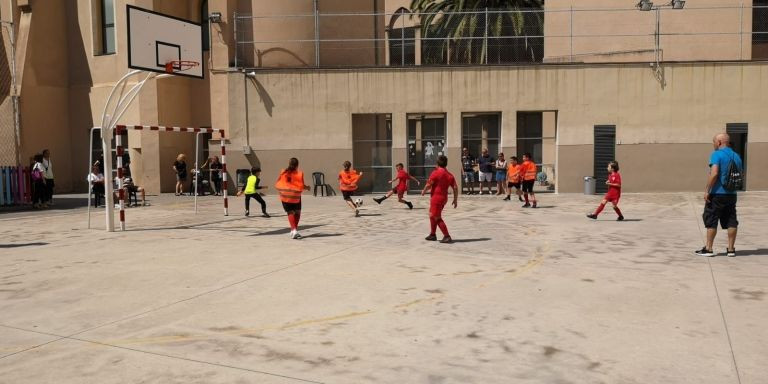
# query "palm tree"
(465, 27)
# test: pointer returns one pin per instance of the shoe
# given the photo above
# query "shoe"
(293, 233)
(592, 216)
(265, 215)
(704, 252)
(431, 238)
(247, 213)
(507, 198)
(357, 213)
(446, 240)
(377, 200)
(297, 236)
(620, 218)
(409, 204)
(534, 205)
(731, 253)
(520, 198)
(526, 205)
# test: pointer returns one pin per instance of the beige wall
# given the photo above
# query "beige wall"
(715, 25)
(311, 110)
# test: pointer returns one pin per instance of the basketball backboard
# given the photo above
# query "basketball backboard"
(155, 39)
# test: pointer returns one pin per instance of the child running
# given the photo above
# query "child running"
(528, 171)
(614, 192)
(439, 182)
(290, 185)
(251, 191)
(403, 177)
(348, 179)
(513, 178)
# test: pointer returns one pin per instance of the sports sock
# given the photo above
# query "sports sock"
(443, 227)
(432, 225)
(618, 211)
(298, 217)
(599, 209)
(383, 197)
(526, 197)
(292, 220)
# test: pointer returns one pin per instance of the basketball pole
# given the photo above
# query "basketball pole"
(108, 123)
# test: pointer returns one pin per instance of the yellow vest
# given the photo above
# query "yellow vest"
(250, 185)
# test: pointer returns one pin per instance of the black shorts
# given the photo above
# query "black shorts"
(291, 207)
(347, 195)
(720, 208)
(528, 186)
(513, 185)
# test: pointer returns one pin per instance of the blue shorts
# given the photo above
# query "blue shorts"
(469, 176)
(501, 176)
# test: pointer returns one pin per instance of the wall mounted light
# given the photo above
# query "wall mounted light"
(215, 17)
(645, 5)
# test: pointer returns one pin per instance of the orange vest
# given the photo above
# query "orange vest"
(348, 180)
(290, 186)
(529, 168)
(513, 173)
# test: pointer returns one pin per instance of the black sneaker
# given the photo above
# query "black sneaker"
(620, 218)
(592, 216)
(409, 204)
(431, 238)
(377, 200)
(507, 198)
(446, 240)
(526, 205)
(265, 215)
(704, 252)
(534, 205)
(731, 253)
(247, 213)
(520, 198)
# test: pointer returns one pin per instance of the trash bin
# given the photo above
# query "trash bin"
(590, 184)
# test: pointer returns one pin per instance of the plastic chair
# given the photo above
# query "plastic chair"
(318, 179)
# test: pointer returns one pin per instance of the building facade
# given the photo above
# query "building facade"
(367, 81)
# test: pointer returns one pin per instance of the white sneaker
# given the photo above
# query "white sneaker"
(293, 234)
(297, 236)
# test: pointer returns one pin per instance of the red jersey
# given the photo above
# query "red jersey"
(614, 178)
(402, 178)
(442, 180)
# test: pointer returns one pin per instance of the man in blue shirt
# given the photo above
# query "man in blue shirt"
(720, 203)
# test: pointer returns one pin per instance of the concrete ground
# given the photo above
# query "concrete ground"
(523, 296)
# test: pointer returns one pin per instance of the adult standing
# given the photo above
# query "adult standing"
(720, 196)
(439, 182)
(48, 175)
(180, 167)
(96, 181)
(215, 167)
(468, 171)
(486, 165)
(38, 183)
(501, 174)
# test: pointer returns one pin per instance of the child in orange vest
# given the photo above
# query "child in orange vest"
(614, 192)
(290, 185)
(513, 178)
(348, 179)
(528, 171)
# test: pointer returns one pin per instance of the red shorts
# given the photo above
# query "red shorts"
(612, 197)
(436, 207)
(399, 191)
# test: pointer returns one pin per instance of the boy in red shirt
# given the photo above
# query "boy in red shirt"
(614, 192)
(439, 182)
(403, 177)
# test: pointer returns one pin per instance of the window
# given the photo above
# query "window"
(206, 27)
(402, 46)
(426, 141)
(481, 130)
(529, 135)
(372, 151)
(104, 28)
(760, 29)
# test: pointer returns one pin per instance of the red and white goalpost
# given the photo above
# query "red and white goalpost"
(120, 150)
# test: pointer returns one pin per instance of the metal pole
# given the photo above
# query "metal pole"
(15, 91)
(485, 38)
(402, 40)
(90, 164)
(197, 170)
(237, 38)
(741, 30)
(247, 117)
(317, 33)
(658, 35)
(224, 186)
(571, 33)
(120, 186)
(106, 149)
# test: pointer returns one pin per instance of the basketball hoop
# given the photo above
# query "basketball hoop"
(180, 65)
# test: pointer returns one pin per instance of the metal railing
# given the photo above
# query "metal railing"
(502, 37)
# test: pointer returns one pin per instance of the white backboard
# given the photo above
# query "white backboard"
(155, 39)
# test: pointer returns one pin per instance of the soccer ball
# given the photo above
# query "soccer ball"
(359, 202)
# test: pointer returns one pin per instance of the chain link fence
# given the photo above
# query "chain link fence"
(503, 37)
(7, 127)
